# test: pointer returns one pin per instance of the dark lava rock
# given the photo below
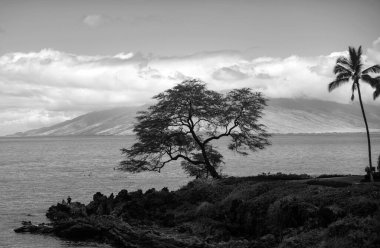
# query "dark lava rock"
(80, 231)
(66, 211)
(98, 205)
(28, 227)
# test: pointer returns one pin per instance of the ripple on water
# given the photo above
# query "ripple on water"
(38, 172)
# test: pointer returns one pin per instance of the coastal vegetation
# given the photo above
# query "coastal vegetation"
(187, 119)
(262, 211)
(351, 69)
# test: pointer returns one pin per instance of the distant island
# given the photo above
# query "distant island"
(283, 116)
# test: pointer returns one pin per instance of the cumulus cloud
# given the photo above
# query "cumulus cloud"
(374, 52)
(42, 88)
(95, 20)
(229, 74)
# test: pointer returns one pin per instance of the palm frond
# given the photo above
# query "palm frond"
(353, 91)
(359, 52)
(352, 54)
(374, 82)
(344, 61)
(376, 93)
(337, 82)
(374, 69)
(343, 75)
(355, 58)
(338, 68)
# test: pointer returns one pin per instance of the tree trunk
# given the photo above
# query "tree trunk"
(212, 171)
(209, 167)
(368, 138)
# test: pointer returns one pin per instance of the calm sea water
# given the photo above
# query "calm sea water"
(38, 172)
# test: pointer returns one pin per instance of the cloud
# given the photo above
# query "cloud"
(95, 20)
(374, 52)
(376, 43)
(262, 75)
(229, 74)
(42, 88)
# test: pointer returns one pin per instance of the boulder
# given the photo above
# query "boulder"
(63, 211)
(28, 227)
(80, 231)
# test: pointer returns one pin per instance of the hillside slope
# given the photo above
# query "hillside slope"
(281, 116)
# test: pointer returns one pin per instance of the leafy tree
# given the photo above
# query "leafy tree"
(187, 119)
(198, 170)
(350, 68)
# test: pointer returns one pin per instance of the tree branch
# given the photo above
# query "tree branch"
(228, 131)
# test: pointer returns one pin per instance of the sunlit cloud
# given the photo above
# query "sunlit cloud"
(95, 20)
(42, 88)
(229, 74)
(374, 52)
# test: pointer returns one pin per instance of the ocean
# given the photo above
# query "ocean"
(37, 172)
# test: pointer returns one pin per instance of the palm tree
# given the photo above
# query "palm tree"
(376, 93)
(350, 68)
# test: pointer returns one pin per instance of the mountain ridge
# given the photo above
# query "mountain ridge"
(282, 115)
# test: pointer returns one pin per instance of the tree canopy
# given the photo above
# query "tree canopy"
(187, 119)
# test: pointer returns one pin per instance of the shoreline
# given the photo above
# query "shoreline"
(376, 131)
(261, 211)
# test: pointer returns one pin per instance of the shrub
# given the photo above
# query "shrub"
(247, 192)
(203, 190)
(283, 176)
(206, 209)
(329, 183)
(361, 206)
(290, 211)
(354, 232)
(248, 217)
(329, 214)
(376, 177)
(308, 239)
(332, 175)
(122, 196)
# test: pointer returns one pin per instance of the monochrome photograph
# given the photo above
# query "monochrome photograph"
(189, 123)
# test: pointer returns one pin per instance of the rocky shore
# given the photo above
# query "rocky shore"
(262, 211)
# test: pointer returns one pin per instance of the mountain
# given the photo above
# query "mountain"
(116, 121)
(316, 116)
(281, 116)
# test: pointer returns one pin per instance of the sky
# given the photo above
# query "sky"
(60, 59)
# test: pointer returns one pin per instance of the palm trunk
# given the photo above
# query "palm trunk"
(368, 138)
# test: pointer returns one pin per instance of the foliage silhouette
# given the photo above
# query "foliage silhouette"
(350, 68)
(199, 171)
(187, 119)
